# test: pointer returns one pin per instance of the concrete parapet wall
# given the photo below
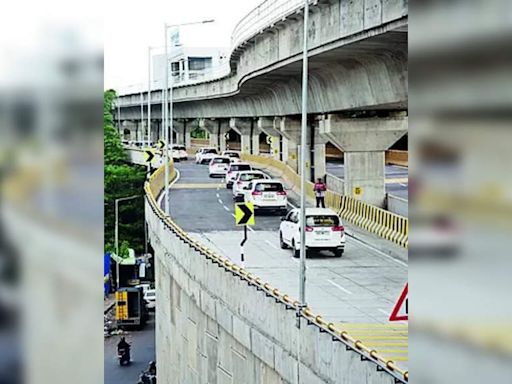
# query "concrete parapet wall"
(398, 205)
(216, 323)
(335, 183)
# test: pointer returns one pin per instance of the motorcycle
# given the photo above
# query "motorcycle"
(146, 378)
(123, 354)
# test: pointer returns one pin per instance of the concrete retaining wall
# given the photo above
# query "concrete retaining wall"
(398, 205)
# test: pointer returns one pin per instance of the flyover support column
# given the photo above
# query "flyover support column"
(270, 126)
(319, 165)
(364, 142)
(217, 130)
(290, 129)
(246, 128)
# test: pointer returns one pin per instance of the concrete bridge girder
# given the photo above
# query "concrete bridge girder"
(364, 142)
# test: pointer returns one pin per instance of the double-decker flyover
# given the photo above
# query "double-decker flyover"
(357, 89)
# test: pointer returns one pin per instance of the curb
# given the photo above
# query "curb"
(109, 308)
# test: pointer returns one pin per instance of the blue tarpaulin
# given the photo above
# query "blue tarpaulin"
(106, 273)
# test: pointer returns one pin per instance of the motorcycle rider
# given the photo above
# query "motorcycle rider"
(123, 349)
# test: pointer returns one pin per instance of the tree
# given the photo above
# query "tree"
(121, 179)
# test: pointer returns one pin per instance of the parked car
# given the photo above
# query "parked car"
(150, 298)
(204, 155)
(233, 155)
(269, 195)
(233, 170)
(242, 181)
(181, 151)
(324, 231)
(218, 166)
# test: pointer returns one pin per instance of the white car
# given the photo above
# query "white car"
(233, 155)
(324, 231)
(267, 195)
(150, 298)
(181, 151)
(204, 155)
(242, 181)
(218, 166)
(233, 170)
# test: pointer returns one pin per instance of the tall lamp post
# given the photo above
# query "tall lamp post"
(116, 233)
(303, 134)
(167, 106)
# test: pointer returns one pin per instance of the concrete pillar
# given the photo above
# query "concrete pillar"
(290, 128)
(364, 142)
(249, 133)
(319, 166)
(217, 130)
(178, 126)
(270, 126)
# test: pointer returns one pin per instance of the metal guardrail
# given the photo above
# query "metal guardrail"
(264, 15)
(153, 188)
(376, 220)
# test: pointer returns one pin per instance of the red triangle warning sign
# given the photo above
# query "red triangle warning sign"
(401, 309)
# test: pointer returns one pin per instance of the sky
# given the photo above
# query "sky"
(134, 26)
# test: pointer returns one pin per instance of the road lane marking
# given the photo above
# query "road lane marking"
(161, 197)
(217, 195)
(226, 208)
(195, 186)
(220, 201)
(272, 245)
(340, 287)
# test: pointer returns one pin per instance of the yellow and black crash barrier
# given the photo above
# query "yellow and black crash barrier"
(376, 220)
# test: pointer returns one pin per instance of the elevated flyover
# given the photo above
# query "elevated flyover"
(219, 322)
(357, 84)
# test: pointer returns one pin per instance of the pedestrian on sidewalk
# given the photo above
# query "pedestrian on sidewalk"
(319, 190)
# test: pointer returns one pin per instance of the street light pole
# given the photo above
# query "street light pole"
(168, 109)
(149, 96)
(142, 113)
(166, 127)
(116, 233)
(303, 134)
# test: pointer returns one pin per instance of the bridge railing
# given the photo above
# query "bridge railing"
(155, 185)
(265, 14)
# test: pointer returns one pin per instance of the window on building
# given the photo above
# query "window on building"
(199, 63)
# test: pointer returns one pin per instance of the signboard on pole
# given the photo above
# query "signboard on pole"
(401, 309)
(244, 214)
(149, 155)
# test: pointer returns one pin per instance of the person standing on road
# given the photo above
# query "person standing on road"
(320, 189)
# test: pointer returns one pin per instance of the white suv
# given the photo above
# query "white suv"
(204, 155)
(233, 155)
(219, 165)
(233, 170)
(181, 151)
(242, 181)
(267, 195)
(324, 231)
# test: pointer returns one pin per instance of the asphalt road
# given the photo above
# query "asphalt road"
(360, 287)
(395, 177)
(142, 352)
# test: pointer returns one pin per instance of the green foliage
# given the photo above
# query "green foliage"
(198, 133)
(121, 180)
